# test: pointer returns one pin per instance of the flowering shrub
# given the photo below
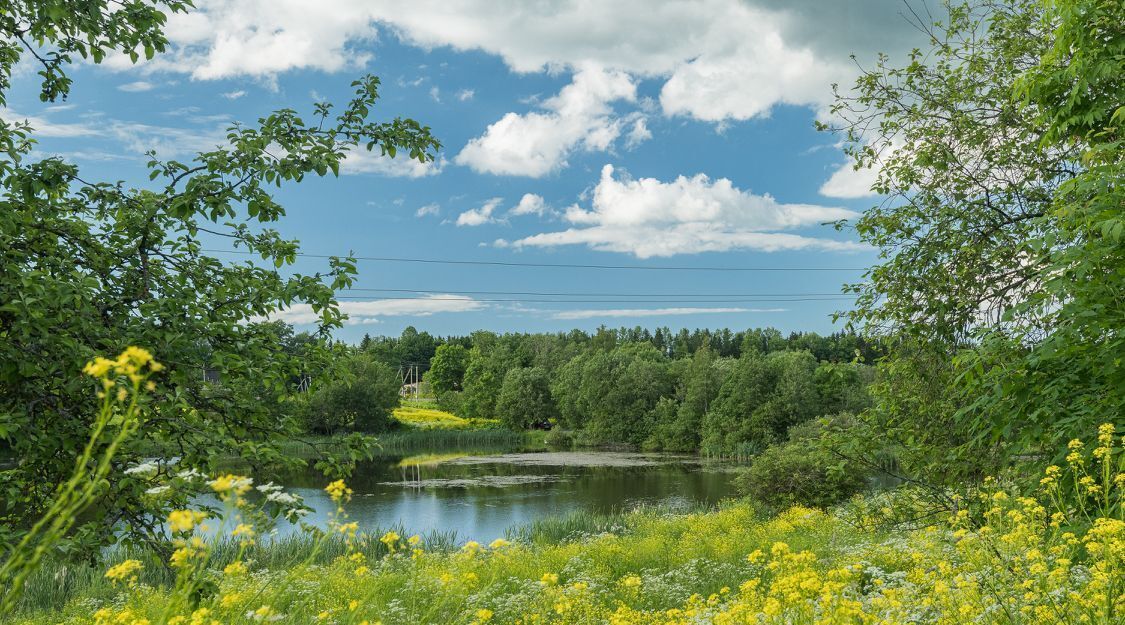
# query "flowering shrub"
(1002, 557)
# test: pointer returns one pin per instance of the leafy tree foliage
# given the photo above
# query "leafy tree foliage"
(965, 171)
(1000, 151)
(88, 267)
(1040, 384)
(360, 401)
(525, 399)
(761, 399)
(447, 368)
(489, 361)
(680, 431)
(803, 469)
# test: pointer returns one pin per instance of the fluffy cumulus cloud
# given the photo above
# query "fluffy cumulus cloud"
(529, 204)
(720, 59)
(480, 216)
(538, 143)
(261, 38)
(598, 313)
(648, 217)
(371, 311)
(847, 182)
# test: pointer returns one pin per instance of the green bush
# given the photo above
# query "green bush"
(525, 399)
(803, 470)
(361, 401)
(450, 401)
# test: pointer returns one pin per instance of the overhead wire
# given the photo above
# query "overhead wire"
(497, 263)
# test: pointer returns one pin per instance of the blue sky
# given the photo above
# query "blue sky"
(675, 133)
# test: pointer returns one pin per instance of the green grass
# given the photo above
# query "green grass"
(730, 565)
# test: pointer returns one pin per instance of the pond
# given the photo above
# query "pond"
(482, 495)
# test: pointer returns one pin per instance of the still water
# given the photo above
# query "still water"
(482, 495)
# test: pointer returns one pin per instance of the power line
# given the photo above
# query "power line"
(599, 301)
(548, 294)
(496, 263)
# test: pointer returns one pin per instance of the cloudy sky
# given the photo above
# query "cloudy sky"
(639, 133)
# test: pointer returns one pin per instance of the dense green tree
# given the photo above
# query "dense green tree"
(701, 383)
(447, 368)
(89, 267)
(1055, 369)
(759, 401)
(843, 387)
(361, 399)
(489, 361)
(566, 388)
(1001, 238)
(525, 399)
(619, 391)
(414, 347)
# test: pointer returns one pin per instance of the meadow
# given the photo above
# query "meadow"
(998, 557)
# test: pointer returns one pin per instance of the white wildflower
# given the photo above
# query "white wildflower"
(143, 468)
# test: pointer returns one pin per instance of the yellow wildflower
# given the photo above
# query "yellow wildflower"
(338, 491)
(243, 529)
(125, 571)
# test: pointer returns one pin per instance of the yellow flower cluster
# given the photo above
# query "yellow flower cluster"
(1000, 557)
(339, 491)
(185, 520)
(134, 363)
(125, 571)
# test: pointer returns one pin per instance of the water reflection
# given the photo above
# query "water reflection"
(481, 497)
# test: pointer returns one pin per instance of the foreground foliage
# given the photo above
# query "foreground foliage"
(90, 266)
(997, 558)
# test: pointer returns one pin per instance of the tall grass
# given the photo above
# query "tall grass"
(57, 581)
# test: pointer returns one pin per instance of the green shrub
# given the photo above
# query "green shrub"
(361, 401)
(525, 399)
(803, 470)
(450, 401)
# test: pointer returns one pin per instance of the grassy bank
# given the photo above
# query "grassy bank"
(1000, 564)
(410, 440)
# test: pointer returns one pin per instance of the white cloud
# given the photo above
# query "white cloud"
(849, 183)
(166, 141)
(370, 311)
(261, 38)
(428, 209)
(234, 95)
(647, 217)
(538, 143)
(435, 93)
(638, 134)
(135, 87)
(361, 161)
(480, 216)
(655, 312)
(47, 128)
(465, 94)
(530, 204)
(722, 59)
